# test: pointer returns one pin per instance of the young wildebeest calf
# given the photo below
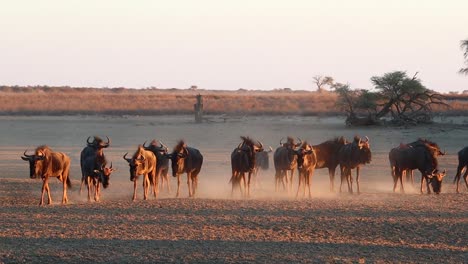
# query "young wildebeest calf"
(243, 160)
(306, 161)
(462, 168)
(352, 156)
(188, 160)
(143, 162)
(45, 164)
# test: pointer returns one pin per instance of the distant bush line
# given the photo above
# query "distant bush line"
(45, 100)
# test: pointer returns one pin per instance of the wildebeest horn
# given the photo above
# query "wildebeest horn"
(110, 165)
(107, 144)
(162, 145)
(367, 139)
(281, 141)
(87, 141)
(300, 142)
(144, 144)
(240, 144)
(260, 144)
(26, 155)
(271, 149)
(125, 158)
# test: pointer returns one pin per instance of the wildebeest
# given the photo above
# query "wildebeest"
(262, 162)
(96, 174)
(92, 153)
(306, 161)
(162, 166)
(462, 168)
(243, 160)
(46, 163)
(421, 155)
(188, 160)
(143, 162)
(327, 156)
(352, 156)
(285, 159)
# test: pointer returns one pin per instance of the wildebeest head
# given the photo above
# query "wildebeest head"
(104, 174)
(290, 143)
(304, 150)
(32, 159)
(136, 163)
(156, 146)
(365, 155)
(98, 143)
(249, 147)
(40, 161)
(262, 159)
(177, 157)
(435, 179)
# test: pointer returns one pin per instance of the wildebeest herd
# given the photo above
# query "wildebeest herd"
(152, 163)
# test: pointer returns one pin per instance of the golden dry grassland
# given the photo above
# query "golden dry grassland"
(123, 101)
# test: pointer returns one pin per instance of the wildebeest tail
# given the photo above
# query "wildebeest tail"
(69, 184)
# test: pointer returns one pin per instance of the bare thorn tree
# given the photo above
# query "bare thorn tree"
(321, 81)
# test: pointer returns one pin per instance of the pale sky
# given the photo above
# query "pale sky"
(217, 44)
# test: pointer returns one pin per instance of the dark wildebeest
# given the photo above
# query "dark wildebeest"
(352, 156)
(188, 160)
(162, 166)
(143, 162)
(421, 155)
(462, 168)
(243, 160)
(262, 162)
(306, 161)
(92, 152)
(45, 164)
(96, 174)
(327, 157)
(285, 159)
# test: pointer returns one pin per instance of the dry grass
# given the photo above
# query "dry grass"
(122, 101)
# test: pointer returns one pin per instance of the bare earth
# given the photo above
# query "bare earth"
(377, 226)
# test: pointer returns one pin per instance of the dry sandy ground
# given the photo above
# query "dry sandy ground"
(376, 226)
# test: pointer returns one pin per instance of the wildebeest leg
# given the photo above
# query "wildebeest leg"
(465, 177)
(291, 182)
(357, 179)
(342, 176)
(178, 186)
(233, 182)
(284, 179)
(428, 187)
(412, 177)
(248, 183)
(146, 185)
(88, 183)
(299, 185)
(349, 178)
(43, 189)
(166, 177)
(194, 183)
(422, 182)
(96, 190)
(134, 189)
(457, 177)
(155, 176)
(402, 189)
(310, 174)
(396, 173)
(331, 174)
(189, 183)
